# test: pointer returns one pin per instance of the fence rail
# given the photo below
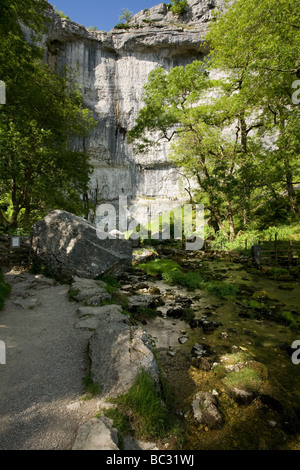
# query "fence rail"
(277, 252)
(14, 251)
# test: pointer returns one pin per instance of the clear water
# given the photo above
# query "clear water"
(255, 426)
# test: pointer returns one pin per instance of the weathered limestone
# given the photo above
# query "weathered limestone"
(88, 291)
(68, 245)
(91, 317)
(112, 68)
(118, 352)
(96, 434)
(205, 410)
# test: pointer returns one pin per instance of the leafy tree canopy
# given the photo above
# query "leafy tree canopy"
(42, 166)
(231, 118)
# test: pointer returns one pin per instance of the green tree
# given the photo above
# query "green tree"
(257, 44)
(178, 7)
(41, 124)
(177, 110)
(126, 15)
(237, 134)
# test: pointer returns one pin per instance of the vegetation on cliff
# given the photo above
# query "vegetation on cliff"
(39, 124)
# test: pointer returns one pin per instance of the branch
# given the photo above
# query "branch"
(273, 112)
(254, 127)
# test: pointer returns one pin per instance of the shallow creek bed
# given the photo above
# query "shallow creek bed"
(229, 364)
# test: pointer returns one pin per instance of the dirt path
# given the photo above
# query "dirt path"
(41, 382)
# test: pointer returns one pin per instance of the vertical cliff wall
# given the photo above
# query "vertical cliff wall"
(111, 69)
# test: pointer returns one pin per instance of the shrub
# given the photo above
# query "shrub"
(122, 26)
(178, 7)
(61, 13)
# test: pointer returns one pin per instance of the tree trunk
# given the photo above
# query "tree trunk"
(230, 220)
(290, 188)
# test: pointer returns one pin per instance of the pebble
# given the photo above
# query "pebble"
(74, 406)
(182, 339)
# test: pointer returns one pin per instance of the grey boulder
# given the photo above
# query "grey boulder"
(118, 352)
(205, 410)
(68, 245)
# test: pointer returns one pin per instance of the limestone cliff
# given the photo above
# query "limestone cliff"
(112, 68)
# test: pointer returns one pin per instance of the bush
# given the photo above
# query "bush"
(122, 26)
(178, 7)
(61, 14)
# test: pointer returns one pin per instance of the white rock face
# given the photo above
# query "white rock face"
(112, 68)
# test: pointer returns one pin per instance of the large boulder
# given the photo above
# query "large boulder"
(68, 245)
(118, 352)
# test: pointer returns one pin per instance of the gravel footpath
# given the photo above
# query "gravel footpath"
(41, 383)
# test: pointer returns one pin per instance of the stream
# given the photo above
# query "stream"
(271, 420)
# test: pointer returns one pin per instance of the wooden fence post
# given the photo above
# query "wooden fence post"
(256, 255)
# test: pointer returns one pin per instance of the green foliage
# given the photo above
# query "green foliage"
(61, 13)
(178, 7)
(290, 319)
(172, 273)
(112, 284)
(149, 417)
(122, 26)
(121, 423)
(221, 289)
(244, 182)
(190, 279)
(126, 15)
(92, 388)
(285, 233)
(143, 313)
(40, 167)
(159, 267)
(245, 379)
(4, 290)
